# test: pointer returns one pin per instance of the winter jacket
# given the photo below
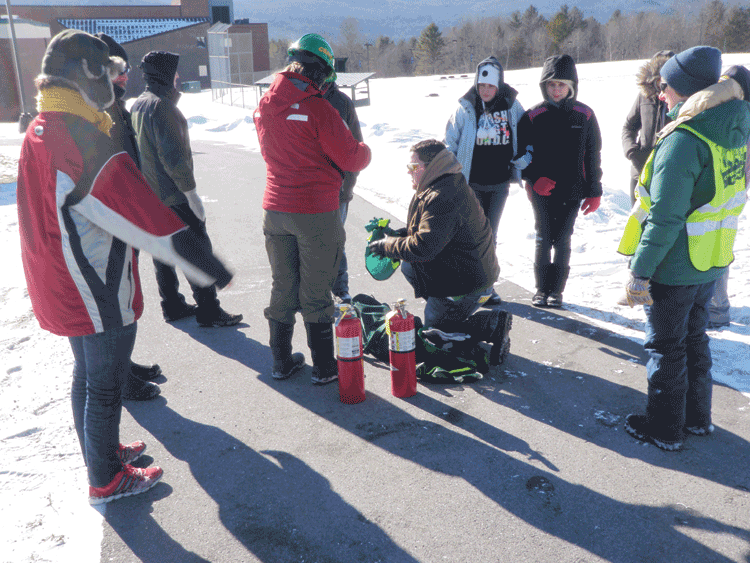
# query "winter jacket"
(449, 239)
(645, 119)
(301, 138)
(164, 143)
(345, 106)
(82, 207)
(563, 140)
(461, 129)
(683, 180)
(122, 129)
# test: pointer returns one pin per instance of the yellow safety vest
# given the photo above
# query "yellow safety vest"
(711, 228)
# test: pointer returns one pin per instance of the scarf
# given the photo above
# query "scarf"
(65, 100)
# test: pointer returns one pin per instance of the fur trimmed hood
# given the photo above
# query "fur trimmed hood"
(79, 61)
(648, 77)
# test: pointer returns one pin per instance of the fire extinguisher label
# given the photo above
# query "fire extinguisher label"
(348, 348)
(402, 341)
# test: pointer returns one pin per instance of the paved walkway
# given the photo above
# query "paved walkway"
(533, 466)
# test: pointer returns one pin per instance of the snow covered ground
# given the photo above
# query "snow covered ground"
(45, 515)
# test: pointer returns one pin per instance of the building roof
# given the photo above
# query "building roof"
(124, 30)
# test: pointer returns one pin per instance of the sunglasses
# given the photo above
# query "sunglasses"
(663, 86)
(127, 70)
(412, 167)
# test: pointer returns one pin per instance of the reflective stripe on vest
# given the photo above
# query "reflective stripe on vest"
(712, 227)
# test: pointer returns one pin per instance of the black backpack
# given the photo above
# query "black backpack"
(439, 359)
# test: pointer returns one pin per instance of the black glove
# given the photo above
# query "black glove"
(377, 247)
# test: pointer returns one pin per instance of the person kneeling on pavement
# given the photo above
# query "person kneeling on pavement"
(447, 250)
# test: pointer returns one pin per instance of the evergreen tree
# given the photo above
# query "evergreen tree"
(713, 19)
(559, 29)
(429, 49)
(737, 30)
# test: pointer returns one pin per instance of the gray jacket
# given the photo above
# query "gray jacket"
(461, 130)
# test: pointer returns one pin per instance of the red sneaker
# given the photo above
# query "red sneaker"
(130, 481)
(128, 454)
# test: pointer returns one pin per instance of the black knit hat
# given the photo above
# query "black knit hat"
(115, 49)
(741, 75)
(160, 67)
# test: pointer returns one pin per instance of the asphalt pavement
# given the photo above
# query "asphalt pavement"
(532, 465)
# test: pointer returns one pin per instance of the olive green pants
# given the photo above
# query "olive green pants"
(304, 251)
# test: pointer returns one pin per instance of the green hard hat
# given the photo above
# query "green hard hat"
(315, 45)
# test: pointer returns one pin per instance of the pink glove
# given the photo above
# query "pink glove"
(590, 204)
(544, 186)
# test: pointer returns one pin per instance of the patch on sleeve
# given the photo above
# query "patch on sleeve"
(584, 110)
(536, 112)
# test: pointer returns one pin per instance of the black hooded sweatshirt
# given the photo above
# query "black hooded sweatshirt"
(564, 138)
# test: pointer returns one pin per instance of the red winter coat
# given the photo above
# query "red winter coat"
(82, 203)
(300, 135)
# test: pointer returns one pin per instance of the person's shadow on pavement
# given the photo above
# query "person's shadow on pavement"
(486, 460)
(273, 503)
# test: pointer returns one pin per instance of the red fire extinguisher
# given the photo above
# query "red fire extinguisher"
(401, 348)
(349, 355)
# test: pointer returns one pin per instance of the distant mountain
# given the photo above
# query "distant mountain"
(401, 19)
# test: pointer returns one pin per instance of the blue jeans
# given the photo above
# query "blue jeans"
(341, 285)
(101, 365)
(492, 199)
(441, 310)
(718, 308)
(679, 365)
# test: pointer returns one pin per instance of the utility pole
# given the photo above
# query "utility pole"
(25, 118)
(367, 46)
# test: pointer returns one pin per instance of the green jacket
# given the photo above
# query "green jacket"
(161, 132)
(682, 181)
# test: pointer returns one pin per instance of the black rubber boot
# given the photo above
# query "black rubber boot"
(556, 280)
(541, 273)
(320, 342)
(285, 364)
(487, 326)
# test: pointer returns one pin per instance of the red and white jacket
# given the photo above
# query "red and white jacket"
(82, 207)
(300, 135)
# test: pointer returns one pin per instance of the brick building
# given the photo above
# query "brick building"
(176, 26)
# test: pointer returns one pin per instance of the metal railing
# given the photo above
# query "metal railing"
(231, 94)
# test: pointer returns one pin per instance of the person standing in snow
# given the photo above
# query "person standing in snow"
(646, 118)
(83, 206)
(482, 134)
(680, 236)
(718, 307)
(561, 141)
(305, 145)
(344, 105)
(167, 162)
(138, 386)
